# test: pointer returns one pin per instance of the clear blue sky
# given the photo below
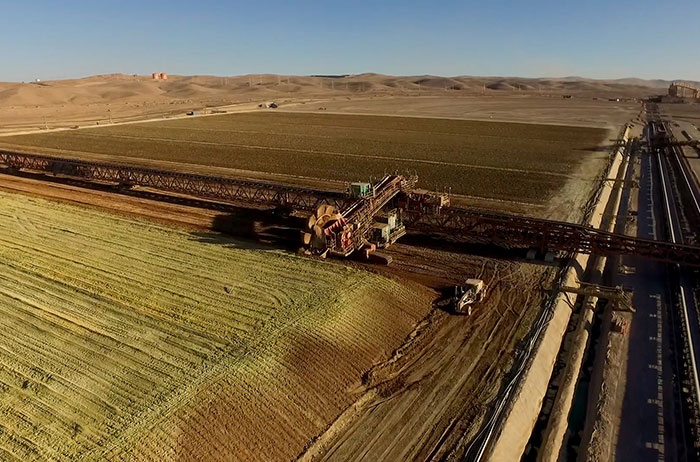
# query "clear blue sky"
(592, 38)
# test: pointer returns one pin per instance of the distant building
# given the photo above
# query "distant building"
(159, 76)
(163, 76)
(684, 89)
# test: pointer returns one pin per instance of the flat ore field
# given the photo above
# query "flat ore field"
(527, 163)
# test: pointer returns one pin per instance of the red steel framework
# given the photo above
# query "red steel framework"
(510, 231)
(360, 215)
(203, 186)
(513, 231)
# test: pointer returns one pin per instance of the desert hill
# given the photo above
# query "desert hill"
(125, 88)
(120, 97)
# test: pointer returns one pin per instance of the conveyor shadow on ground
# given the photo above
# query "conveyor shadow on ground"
(603, 148)
(253, 229)
(479, 249)
(274, 229)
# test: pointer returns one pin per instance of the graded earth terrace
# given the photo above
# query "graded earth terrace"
(118, 335)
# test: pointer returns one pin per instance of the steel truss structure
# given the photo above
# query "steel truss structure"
(203, 186)
(510, 231)
(513, 231)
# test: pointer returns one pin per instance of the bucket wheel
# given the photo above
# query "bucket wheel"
(313, 236)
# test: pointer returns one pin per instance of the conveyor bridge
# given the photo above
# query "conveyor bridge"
(510, 231)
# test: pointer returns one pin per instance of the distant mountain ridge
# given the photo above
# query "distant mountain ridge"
(112, 88)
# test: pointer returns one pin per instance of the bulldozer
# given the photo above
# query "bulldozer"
(473, 291)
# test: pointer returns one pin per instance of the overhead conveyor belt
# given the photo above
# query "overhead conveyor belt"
(514, 231)
(489, 227)
(203, 186)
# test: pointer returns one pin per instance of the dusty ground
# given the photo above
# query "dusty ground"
(687, 112)
(530, 108)
(433, 358)
(428, 400)
(424, 397)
